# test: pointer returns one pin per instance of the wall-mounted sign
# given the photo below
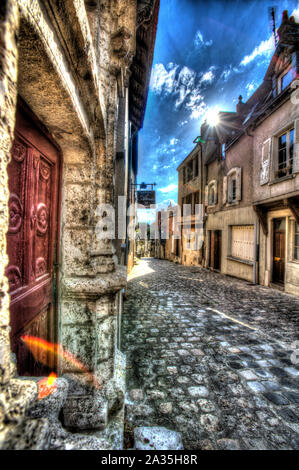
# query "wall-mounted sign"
(146, 198)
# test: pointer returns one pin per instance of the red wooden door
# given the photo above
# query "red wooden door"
(33, 175)
(278, 250)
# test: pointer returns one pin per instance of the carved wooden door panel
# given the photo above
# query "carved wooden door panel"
(33, 175)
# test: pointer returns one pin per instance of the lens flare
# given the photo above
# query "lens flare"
(47, 386)
(46, 352)
(212, 117)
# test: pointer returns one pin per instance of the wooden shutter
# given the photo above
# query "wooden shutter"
(242, 242)
(206, 195)
(239, 184)
(296, 148)
(265, 163)
(216, 191)
(225, 190)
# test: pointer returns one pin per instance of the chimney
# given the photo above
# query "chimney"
(241, 107)
(285, 16)
(288, 30)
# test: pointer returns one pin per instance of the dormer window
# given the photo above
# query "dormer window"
(287, 79)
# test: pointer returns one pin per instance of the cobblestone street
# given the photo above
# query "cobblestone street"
(211, 357)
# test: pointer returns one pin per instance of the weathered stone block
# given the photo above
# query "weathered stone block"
(105, 339)
(7, 368)
(77, 173)
(16, 397)
(85, 413)
(157, 438)
(77, 312)
(50, 406)
(80, 342)
(76, 252)
(31, 434)
(77, 204)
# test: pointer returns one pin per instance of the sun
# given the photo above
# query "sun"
(212, 116)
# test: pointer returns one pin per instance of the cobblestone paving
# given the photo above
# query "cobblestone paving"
(210, 356)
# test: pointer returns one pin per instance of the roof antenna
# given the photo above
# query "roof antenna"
(272, 13)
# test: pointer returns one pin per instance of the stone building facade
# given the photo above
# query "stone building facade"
(189, 194)
(248, 179)
(74, 80)
(230, 218)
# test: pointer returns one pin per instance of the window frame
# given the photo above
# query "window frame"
(287, 170)
(294, 242)
(212, 186)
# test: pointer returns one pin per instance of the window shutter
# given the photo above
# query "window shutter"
(265, 163)
(239, 184)
(206, 195)
(296, 148)
(225, 190)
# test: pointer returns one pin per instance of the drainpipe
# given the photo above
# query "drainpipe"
(256, 253)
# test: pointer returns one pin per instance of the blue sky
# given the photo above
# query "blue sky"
(207, 53)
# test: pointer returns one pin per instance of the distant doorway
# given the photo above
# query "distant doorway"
(215, 249)
(279, 227)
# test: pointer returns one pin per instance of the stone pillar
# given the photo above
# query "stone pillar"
(89, 305)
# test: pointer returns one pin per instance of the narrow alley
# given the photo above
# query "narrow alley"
(212, 357)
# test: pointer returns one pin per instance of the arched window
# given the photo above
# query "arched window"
(232, 186)
(211, 193)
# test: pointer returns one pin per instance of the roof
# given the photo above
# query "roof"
(147, 20)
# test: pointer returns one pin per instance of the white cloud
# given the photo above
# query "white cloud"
(265, 48)
(154, 167)
(251, 87)
(208, 76)
(169, 188)
(146, 215)
(184, 84)
(199, 41)
(173, 141)
(163, 79)
(199, 111)
(182, 123)
(296, 14)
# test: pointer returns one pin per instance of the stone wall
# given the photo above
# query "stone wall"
(70, 65)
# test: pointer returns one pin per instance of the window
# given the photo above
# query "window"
(285, 154)
(223, 151)
(296, 242)
(287, 79)
(233, 190)
(211, 193)
(242, 242)
(211, 196)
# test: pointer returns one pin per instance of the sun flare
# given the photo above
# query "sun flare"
(212, 116)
